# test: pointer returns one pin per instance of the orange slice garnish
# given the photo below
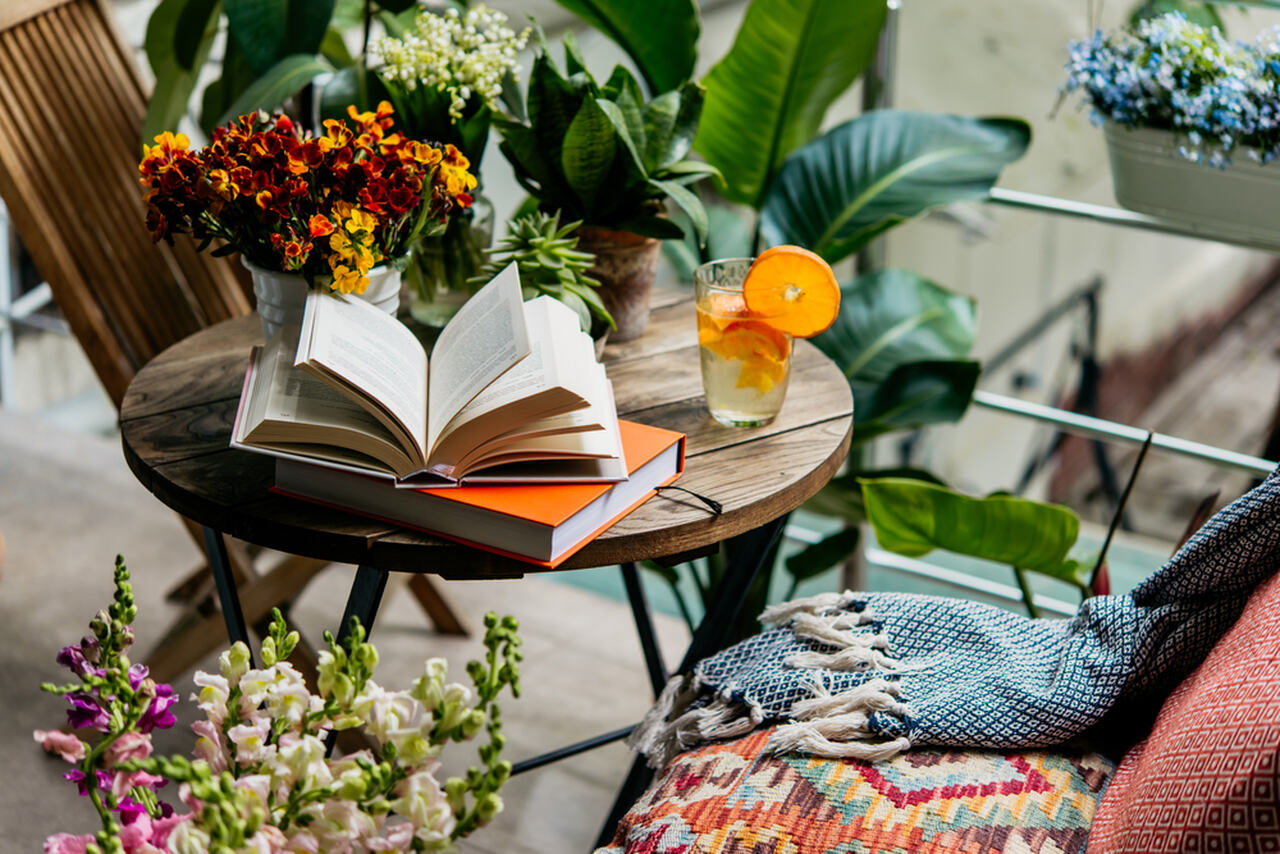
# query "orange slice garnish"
(793, 290)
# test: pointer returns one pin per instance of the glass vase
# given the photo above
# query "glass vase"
(439, 268)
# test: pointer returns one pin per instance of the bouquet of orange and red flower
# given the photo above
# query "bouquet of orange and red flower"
(330, 207)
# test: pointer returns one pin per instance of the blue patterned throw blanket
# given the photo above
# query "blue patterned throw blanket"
(867, 675)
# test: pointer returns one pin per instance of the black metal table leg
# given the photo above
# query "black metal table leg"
(363, 600)
(746, 557)
(644, 627)
(225, 581)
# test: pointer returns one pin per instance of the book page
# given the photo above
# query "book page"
(559, 376)
(371, 358)
(549, 328)
(285, 407)
(482, 341)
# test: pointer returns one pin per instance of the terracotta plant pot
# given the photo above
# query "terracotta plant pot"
(625, 265)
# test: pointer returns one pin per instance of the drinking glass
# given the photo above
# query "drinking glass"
(746, 363)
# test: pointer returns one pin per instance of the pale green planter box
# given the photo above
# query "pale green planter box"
(1240, 203)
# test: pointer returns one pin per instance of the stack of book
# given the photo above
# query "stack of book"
(506, 438)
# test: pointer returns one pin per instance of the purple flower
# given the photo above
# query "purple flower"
(77, 776)
(157, 715)
(85, 712)
(129, 810)
(137, 673)
(74, 659)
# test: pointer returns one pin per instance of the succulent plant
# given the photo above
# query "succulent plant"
(550, 264)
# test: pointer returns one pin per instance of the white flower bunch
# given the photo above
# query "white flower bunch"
(465, 56)
(261, 780)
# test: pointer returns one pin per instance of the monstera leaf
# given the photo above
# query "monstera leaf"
(912, 518)
(902, 341)
(790, 60)
(867, 175)
(660, 36)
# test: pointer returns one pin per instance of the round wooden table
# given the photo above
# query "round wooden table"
(176, 420)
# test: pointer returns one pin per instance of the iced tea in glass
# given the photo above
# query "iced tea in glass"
(746, 363)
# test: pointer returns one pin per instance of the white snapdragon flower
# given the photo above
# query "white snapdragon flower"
(213, 695)
(463, 55)
(422, 801)
(188, 839)
(250, 740)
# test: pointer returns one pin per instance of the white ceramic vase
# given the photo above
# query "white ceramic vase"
(282, 296)
(1240, 202)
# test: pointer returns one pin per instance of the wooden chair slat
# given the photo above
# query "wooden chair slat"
(73, 200)
(85, 69)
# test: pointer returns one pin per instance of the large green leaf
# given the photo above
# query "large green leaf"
(728, 236)
(914, 395)
(270, 30)
(891, 317)
(836, 193)
(902, 341)
(236, 77)
(818, 557)
(589, 147)
(670, 122)
(660, 36)
(344, 88)
(552, 102)
(189, 34)
(913, 518)
(768, 96)
(174, 81)
(282, 80)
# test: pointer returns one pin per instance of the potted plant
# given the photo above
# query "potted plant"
(261, 779)
(1189, 117)
(606, 156)
(445, 76)
(549, 262)
(307, 210)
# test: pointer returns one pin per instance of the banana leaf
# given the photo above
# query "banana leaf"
(913, 518)
(871, 173)
(790, 60)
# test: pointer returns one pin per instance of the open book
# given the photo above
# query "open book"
(512, 392)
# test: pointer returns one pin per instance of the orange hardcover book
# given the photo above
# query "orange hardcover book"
(542, 524)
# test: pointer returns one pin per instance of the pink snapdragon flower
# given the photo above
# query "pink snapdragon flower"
(127, 746)
(64, 744)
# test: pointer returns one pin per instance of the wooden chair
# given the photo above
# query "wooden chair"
(71, 110)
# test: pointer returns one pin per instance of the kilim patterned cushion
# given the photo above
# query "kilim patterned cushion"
(1205, 780)
(727, 797)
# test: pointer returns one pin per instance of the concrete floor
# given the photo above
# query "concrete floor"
(68, 504)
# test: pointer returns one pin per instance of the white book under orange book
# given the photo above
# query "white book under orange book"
(543, 524)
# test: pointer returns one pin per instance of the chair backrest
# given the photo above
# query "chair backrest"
(71, 110)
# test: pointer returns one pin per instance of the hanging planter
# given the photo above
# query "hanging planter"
(1188, 116)
(1240, 200)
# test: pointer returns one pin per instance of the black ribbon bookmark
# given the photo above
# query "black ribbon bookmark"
(715, 506)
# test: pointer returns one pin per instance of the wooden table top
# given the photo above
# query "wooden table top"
(176, 420)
